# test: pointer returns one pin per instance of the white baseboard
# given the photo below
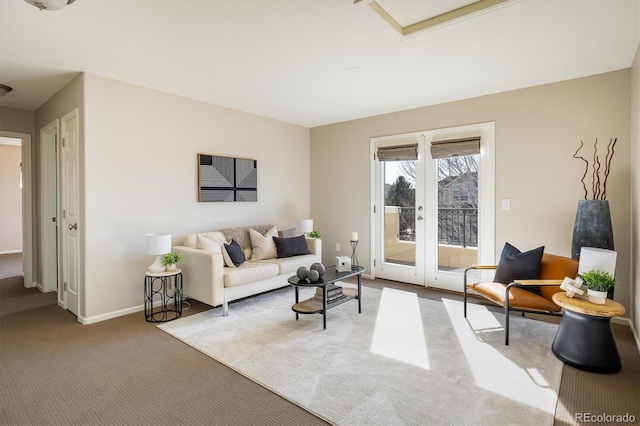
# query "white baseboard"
(621, 320)
(10, 251)
(110, 315)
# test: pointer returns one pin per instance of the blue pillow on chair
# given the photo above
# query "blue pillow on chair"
(517, 265)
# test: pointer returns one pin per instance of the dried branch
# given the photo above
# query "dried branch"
(607, 168)
(598, 183)
(586, 169)
(596, 172)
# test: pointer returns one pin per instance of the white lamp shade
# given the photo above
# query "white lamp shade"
(597, 258)
(157, 244)
(305, 225)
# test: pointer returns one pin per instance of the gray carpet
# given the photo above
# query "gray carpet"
(125, 371)
(404, 361)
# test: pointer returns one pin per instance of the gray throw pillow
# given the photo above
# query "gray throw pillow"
(288, 247)
(517, 265)
(235, 253)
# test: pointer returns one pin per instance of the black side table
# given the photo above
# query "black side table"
(163, 295)
(584, 339)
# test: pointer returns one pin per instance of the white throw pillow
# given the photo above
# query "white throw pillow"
(217, 236)
(263, 246)
(208, 244)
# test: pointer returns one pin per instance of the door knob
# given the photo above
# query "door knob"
(419, 208)
(420, 218)
(73, 227)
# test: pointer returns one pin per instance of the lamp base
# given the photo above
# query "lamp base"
(156, 266)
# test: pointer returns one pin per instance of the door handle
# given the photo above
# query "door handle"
(419, 208)
(73, 226)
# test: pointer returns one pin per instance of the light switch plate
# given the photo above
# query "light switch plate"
(506, 204)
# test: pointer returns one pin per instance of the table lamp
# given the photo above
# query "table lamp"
(597, 258)
(305, 225)
(158, 245)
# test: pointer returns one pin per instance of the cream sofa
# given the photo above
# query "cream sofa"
(211, 278)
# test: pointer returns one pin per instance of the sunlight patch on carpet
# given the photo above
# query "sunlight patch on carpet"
(398, 333)
(353, 372)
(522, 386)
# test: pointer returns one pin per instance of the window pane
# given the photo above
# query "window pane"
(399, 217)
(457, 212)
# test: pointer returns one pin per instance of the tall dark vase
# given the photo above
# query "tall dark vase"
(592, 227)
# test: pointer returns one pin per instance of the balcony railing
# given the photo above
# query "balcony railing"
(456, 226)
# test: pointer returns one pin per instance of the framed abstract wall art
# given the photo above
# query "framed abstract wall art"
(227, 179)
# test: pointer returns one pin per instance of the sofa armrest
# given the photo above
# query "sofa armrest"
(315, 246)
(202, 272)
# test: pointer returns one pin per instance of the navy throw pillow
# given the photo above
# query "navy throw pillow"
(517, 265)
(235, 253)
(288, 247)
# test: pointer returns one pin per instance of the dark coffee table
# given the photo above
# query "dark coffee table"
(317, 306)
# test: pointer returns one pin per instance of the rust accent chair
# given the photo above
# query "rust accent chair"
(513, 296)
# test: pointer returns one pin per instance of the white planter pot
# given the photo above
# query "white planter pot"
(172, 267)
(597, 297)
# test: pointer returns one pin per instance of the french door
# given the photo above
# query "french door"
(433, 213)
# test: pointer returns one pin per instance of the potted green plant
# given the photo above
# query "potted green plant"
(170, 261)
(598, 283)
(314, 234)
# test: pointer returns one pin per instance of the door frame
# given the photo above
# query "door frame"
(49, 159)
(486, 193)
(28, 195)
(69, 255)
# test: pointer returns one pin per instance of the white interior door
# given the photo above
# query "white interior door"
(70, 215)
(444, 222)
(49, 206)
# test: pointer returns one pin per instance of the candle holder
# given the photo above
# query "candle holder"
(354, 258)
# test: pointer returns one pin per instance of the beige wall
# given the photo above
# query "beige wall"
(10, 199)
(17, 120)
(537, 131)
(635, 195)
(140, 176)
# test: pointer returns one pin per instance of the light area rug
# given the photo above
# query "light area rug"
(404, 360)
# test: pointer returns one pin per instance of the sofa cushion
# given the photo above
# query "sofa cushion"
(249, 272)
(235, 255)
(191, 239)
(262, 246)
(289, 265)
(287, 247)
(204, 243)
(241, 234)
(287, 233)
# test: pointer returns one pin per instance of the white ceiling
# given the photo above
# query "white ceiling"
(310, 62)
